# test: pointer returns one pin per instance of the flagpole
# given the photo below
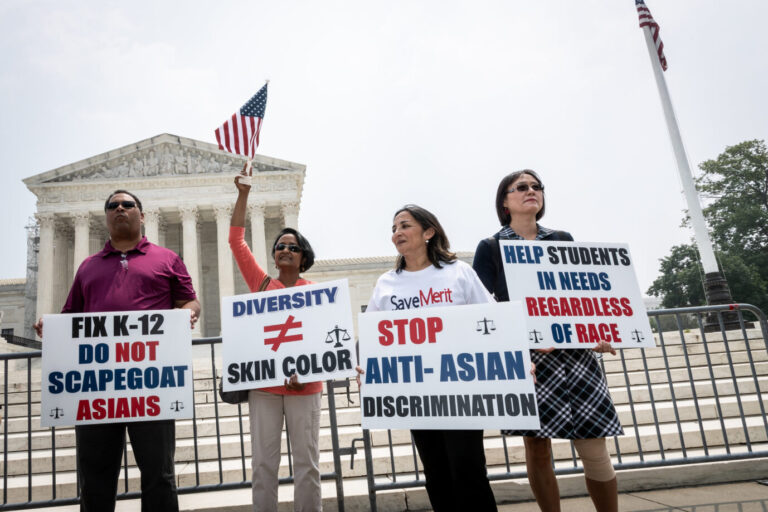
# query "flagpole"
(716, 288)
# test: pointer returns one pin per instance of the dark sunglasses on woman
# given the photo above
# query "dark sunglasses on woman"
(523, 187)
(290, 247)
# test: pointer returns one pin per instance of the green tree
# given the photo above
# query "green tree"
(736, 186)
(682, 275)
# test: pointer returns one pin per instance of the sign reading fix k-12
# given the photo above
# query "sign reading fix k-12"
(268, 336)
(116, 367)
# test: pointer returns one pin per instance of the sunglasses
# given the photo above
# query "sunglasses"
(290, 247)
(523, 187)
(125, 204)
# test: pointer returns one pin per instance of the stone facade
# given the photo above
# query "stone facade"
(186, 188)
(12, 306)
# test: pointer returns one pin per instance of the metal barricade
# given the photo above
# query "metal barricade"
(664, 390)
(230, 471)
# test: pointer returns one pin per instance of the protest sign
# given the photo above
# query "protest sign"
(267, 336)
(576, 295)
(455, 367)
(116, 367)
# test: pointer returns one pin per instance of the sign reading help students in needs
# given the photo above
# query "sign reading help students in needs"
(454, 367)
(576, 295)
(270, 335)
(116, 367)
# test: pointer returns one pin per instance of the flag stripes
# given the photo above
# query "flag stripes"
(240, 133)
(646, 20)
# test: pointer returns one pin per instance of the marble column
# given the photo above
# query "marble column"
(63, 238)
(82, 221)
(152, 226)
(191, 254)
(258, 234)
(226, 271)
(45, 264)
(290, 215)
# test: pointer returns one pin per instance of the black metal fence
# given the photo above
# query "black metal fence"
(660, 388)
(205, 389)
(690, 379)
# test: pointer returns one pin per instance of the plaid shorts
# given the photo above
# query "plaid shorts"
(572, 397)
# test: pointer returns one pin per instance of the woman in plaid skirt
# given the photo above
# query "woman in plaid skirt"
(571, 391)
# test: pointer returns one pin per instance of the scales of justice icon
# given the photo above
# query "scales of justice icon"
(485, 326)
(337, 335)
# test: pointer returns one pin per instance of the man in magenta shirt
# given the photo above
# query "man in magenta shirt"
(129, 274)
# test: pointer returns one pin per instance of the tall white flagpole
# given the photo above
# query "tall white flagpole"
(684, 169)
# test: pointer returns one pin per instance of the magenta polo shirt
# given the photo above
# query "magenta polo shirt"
(146, 277)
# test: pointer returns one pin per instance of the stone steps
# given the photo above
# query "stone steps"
(641, 437)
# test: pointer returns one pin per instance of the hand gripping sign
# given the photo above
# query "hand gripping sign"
(576, 295)
(116, 367)
(455, 367)
(268, 336)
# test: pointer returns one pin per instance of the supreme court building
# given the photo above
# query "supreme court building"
(187, 191)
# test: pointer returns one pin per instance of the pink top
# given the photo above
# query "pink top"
(254, 275)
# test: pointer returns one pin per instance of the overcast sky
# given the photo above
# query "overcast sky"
(386, 103)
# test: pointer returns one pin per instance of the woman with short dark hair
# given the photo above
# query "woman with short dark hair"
(454, 460)
(571, 390)
(298, 403)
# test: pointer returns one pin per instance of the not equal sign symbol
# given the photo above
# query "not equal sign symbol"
(282, 336)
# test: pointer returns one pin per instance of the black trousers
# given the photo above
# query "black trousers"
(100, 451)
(454, 466)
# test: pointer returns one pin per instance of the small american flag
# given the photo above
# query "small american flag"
(646, 20)
(240, 133)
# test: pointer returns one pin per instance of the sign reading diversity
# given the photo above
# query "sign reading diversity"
(576, 295)
(455, 367)
(270, 335)
(116, 367)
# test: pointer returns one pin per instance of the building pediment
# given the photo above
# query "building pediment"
(161, 156)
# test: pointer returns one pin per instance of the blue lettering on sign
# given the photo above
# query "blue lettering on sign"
(93, 381)
(295, 300)
(481, 366)
(523, 253)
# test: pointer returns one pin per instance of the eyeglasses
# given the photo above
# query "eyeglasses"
(125, 204)
(523, 187)
(290, 247)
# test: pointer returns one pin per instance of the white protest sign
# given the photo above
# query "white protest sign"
(455, 367)
(269, 335)
(576, 295)
(116, 367)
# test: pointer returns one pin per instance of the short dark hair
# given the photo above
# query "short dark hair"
(438, 246)
(121, 191)
(501, 193)
(307, 254)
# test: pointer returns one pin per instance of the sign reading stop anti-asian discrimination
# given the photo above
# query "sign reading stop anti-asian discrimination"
(455, 367)
(270, 335)
(576, 295)
(116, 367)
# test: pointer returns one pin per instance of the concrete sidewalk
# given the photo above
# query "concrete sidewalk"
(742, 497)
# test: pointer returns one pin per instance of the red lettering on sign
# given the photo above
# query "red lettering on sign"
(282, 336)
(416, 330)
